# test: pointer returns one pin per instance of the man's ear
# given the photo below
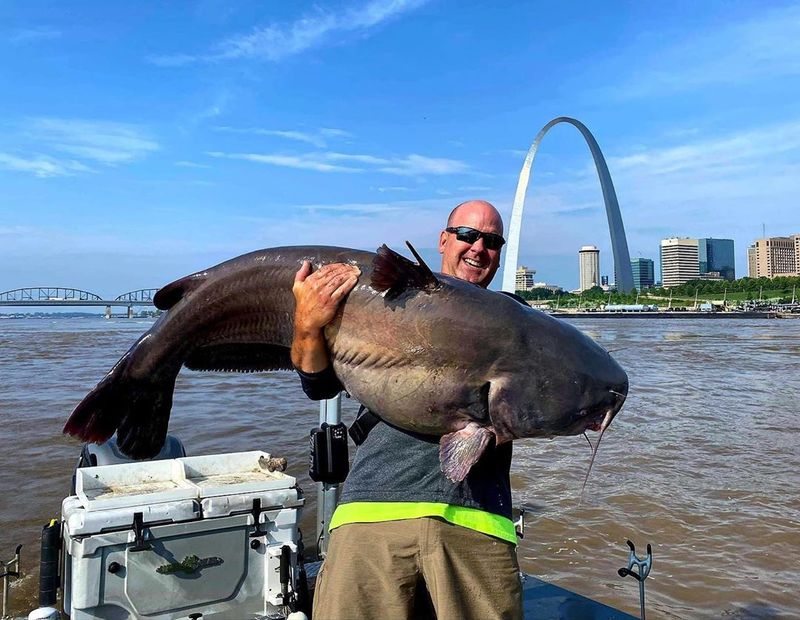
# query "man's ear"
(442, 241)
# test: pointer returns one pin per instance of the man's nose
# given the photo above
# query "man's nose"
(478, 246)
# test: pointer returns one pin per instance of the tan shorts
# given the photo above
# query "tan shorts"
(373, 571)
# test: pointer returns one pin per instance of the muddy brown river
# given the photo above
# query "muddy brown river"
(703, 462)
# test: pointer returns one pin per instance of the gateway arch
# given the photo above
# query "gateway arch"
(619, 245)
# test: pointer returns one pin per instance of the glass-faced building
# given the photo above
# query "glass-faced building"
(644, 274)
(716, 255)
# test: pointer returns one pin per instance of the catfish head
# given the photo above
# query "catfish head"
(555, 381)
(550, 379)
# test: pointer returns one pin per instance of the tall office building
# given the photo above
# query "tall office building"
(644, 274)
(773, 256)
(524, 280)
(752, 261)
(717, 256)
(680, 261)
(796, 239)
(589, 263)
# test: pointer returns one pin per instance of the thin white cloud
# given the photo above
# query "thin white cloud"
(214, 109)
(42, 143)
(513, 152)
(411, 165)
(355, 207)
(764, 46)
(277, 41)
(13, 231)
(393, 188)
(726, 154)
(100, 141)
(474, 188)
(364, 159)
(286, 161)
(358, 225)
(39, 33)
(191, 164)
(299, 136)
(332, 132)
(318, 138)
(173, 60)
(42, 166)
(420, 165)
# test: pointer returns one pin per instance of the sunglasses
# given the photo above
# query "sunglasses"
(492, 241)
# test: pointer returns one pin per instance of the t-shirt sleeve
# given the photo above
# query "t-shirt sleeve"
(320, 385)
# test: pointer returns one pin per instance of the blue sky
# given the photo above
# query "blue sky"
(142, 141)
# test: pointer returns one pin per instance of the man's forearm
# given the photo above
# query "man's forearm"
(309, 351)
(310, 357)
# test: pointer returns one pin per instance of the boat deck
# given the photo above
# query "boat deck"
(546, 601)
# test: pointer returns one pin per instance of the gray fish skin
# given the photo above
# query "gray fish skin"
(433, 362)
(434, 355)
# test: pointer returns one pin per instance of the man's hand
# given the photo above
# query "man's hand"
(317, 297)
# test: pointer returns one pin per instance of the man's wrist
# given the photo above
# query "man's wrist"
(309, 352)
(306, 333)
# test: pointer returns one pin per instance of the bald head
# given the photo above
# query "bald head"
(486, 210)
(473, 262)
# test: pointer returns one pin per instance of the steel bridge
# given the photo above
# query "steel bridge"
(49, 296)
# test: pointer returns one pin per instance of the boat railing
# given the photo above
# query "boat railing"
(10, 570)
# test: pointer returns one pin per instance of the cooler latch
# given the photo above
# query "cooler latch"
(256, 512)
(139, 543)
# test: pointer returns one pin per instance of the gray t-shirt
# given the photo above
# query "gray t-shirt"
(394, 465)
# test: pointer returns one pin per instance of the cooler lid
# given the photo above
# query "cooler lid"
(145, 483)
(106, 487)
(236, 472)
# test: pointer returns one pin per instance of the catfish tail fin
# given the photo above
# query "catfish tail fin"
(137, 410)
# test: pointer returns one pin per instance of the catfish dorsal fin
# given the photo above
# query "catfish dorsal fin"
(172, 293)
(421, 262)
(394, 273)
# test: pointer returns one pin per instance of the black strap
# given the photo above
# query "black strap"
(365, 421)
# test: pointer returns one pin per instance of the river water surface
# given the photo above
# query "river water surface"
(703, 462)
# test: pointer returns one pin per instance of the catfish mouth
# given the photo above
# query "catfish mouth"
(599, 416)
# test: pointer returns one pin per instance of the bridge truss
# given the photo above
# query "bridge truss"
(142, 295)
(48, 293)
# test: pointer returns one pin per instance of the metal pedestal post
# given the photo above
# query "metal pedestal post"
(330, 412)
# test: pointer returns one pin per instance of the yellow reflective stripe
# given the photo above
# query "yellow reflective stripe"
(472, 518)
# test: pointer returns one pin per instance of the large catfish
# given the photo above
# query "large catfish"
(426, 352)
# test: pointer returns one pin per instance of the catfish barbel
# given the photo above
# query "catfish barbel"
(426, 352)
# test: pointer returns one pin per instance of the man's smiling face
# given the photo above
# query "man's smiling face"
(472, 262)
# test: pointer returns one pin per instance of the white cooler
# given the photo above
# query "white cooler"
(176, 538)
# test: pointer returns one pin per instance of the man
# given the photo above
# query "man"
(400, 523)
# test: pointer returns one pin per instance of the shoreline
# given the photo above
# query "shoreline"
(669, 315)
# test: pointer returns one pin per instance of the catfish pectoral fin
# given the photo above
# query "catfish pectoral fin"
(137, 410)
(459, 451)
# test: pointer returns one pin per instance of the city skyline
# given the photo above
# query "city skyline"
(714, 259)
(134, 152)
